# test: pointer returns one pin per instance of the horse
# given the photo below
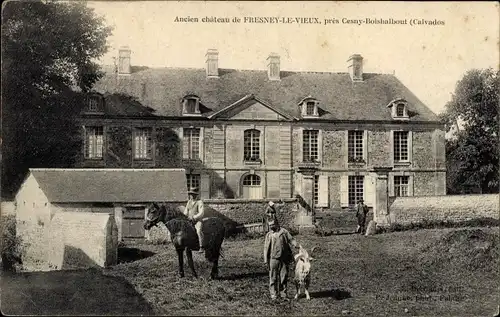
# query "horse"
(184, 237)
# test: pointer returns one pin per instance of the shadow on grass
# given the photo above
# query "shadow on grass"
(338, 294)
(126, 255)
(234, 277)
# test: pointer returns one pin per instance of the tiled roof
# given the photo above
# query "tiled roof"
(112, 185)
(339, 97)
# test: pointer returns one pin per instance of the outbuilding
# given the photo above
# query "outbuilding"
(124, 193)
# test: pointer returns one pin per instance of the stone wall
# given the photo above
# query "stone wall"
(237, 212)
(71, 240)
(406, 210)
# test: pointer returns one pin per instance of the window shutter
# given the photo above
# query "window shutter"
(202, 145)
(410, 146)
(369, 193)
(297, 184)
(323, 191)
(320, 146)
(391, 185)
(205, 186)
(185, 144)
(85, 142)
(301, 145)
(344, 191)
(365, 146)
(149, 143)
(410, 186)
(392, 147)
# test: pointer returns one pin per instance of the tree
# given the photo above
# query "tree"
(472, 118)
(49, 54)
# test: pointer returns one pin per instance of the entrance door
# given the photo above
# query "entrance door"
(133, 221)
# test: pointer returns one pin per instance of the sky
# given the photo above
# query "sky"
(428, 59)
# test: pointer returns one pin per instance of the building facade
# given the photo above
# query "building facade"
(251, 133)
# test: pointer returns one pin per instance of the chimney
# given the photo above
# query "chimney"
(212, 63)
(273, 66)
(124, 60)
(355, 66)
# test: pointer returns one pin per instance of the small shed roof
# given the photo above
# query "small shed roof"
(111, 185)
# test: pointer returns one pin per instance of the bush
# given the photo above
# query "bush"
(437, 224)
(11, 244)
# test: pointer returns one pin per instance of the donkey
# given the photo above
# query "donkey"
(184, 237)
(302, 277)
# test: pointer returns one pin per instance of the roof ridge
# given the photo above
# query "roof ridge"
(248, 70)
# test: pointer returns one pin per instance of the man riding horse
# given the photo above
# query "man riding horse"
(195, 211)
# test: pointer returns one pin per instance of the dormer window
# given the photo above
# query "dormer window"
(309, 107)
(191, 105)
(399, 109)
(94, 103)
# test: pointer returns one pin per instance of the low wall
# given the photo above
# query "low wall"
(449, 208)
(237, 212)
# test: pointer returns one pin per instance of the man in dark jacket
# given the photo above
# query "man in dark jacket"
(278, 255)
(361, 211)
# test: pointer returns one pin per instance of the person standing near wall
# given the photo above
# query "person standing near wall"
(271, 213)
(361, 211)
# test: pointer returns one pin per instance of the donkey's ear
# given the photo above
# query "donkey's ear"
(156, 205)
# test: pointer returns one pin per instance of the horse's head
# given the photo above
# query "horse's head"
(154, 215)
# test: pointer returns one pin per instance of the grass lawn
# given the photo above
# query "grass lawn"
(441, 272)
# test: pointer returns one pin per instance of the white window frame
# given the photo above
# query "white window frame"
(398, 159)
(250, 137)
(398, 186)
(192, 137)
(358, 147)
(394, 110)
(185, 106)
(305, 107)
(359, 181)
(143, 143)
(310, 144)
(94, 142)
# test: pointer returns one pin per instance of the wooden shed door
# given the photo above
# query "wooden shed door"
(133, 223)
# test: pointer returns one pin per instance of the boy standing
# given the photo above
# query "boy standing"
(277, 257)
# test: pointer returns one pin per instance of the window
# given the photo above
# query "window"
(400, 110)
(251, 145)
(355, 146)
(310, 107)
(400, 146)
(93, 103)
(192, 142)
(401, 185)
(310, 145)
(142, 143)
(355, 189)
(191, 105)
(252, 187)
(94, 142)
(193, 180)
(316, 190)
